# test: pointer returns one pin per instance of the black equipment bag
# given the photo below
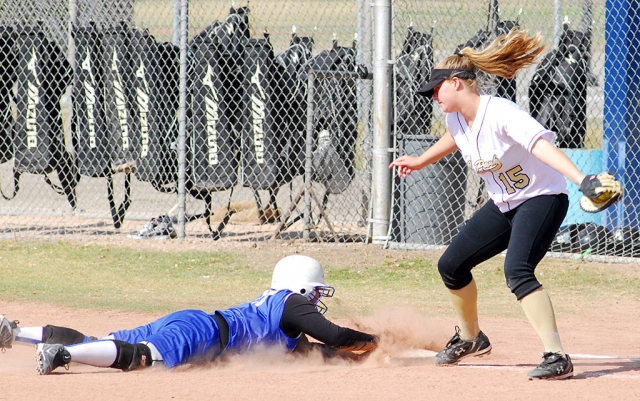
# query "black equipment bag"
(558, 90)
(43, 73)
(275, 112)
(505, 88)
(216, 103)
(92, 137)
(7, 79)
(413, 68)
(214, 143)
(264, 162)
(157, 91)
(230, 36)
(291, 87)
(121, 117)
(335, 120)
(215, 99)
(95, 139)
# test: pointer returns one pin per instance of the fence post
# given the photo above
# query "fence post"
(382, 70)
(182, 118)
(308, 160)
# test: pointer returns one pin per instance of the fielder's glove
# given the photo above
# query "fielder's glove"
(600, 191)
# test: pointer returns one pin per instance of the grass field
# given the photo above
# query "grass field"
(366, 277)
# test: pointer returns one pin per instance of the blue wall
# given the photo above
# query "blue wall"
(622, 108)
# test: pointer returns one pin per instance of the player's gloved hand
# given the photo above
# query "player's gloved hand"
(600, 191)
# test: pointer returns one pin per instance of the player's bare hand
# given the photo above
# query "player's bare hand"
(405, 165)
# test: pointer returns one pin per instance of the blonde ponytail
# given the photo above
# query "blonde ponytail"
(504, 57)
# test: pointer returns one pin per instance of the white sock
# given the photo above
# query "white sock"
(28, 335)
(96, 353)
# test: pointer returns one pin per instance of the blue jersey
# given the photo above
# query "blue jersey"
(258, 322)
(193, 335)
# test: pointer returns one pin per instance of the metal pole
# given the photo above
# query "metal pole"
(308, 160)
(382, 70)
(557, 27)
(71, 56)
(182, 118)
(73, 20)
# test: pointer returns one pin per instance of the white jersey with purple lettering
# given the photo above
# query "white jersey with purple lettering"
(498, 148)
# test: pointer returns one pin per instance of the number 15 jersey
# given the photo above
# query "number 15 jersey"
(498, 148)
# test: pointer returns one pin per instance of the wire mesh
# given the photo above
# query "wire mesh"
(90, 128)
(91, 133)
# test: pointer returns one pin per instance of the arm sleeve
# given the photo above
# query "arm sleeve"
(524, 129)
(300, 316)
(304, 347)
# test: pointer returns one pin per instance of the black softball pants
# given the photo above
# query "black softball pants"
(527, 232)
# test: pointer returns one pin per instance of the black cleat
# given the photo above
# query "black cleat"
(50, 357)
(554, 367)
(458, 349)
(6, 333)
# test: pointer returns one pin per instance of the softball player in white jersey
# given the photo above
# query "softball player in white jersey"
(524, 175)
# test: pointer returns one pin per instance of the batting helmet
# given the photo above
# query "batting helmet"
(303, 275)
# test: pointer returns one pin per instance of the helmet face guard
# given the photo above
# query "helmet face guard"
(319, 292)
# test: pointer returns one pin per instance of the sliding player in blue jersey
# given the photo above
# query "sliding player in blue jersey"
(281, 317)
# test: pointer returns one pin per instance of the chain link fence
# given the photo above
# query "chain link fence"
(91, 136)
(90, 106)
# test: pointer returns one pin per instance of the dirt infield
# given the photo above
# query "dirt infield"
(609, 330)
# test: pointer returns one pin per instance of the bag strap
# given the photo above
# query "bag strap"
(215, 234)
(118, 213)
(16, 185)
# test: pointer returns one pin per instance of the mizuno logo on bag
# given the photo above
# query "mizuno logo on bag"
(142, 97)
(258, 99)
(90, 99)
(211, 114)
(121, 106)
(33, 99)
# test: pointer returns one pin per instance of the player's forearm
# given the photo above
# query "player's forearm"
(554, 158)
(443, 147)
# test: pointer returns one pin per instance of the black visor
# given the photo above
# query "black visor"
(438, 75)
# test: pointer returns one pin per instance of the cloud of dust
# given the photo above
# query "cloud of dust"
(400, 330)
(270, 359)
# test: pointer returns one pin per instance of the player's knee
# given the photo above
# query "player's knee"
(523, 284)
(452, 275)
(131, 356)
(445, 268)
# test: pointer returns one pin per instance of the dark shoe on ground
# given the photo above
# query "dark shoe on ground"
(6, 333)
(458, 349)
(554, 367)
(50, 357)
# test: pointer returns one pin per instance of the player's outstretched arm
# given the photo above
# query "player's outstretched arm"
(304, 346)
(553, 157)
(300, 316)
(443, 147)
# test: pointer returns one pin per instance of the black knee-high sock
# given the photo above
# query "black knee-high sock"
(61, 335)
